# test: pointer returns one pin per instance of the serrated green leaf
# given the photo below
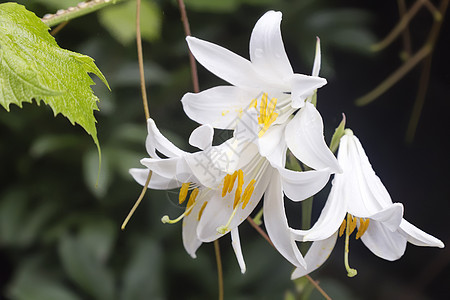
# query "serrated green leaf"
(120, 21)
(338, 133)
(33, 66)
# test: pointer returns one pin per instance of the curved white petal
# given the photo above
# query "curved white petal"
(276, 223)
(303, 86)
(164, 167)
(317, 254)
(317, 59)
(383, 242)
(300, 185)
(156, 141)
(377, 190)
(157, 182)
(267, 52)
(331, 216)
(190, 222)
(272, 140)
(391, 216)
(304, 137)
(418, 237)
(223, 63)
(220, 106)
(202, 137)
(236, 243)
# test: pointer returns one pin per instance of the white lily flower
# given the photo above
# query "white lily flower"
(268, 84)
(359, 199)
(227, 182)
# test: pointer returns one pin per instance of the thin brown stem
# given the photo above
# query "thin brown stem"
(407, 17)
(58, 28)
(395, 77)
(187, 31)
(138, 201)
(406, 35)
(266, 237)
(425, 76)
(141, 59)
(219, 268)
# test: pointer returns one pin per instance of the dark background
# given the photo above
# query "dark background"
(60, 236)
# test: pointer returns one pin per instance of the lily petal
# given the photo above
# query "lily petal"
(317, 254)
(157, 181)
(236, 243)
(225, 64)
(418, 237)
(303, 86)
(276, 223)
(220, 106)
(190, 222)
(304, 137)
(267, 52)
(383, 242)
(163, 167)
(317, 59)
(331, 216)
(301, 185)
(202, 137)
(156, 141)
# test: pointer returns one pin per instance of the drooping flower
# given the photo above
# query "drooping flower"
(226, 183)
(266, 83)
(358, 199)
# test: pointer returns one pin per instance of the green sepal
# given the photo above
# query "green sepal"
(338, 133)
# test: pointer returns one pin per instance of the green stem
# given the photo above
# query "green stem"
(219, 268)
(306, 213)
(82, 8)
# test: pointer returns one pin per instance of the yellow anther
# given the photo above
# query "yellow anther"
(183, 192)
(248, 193)
(253, 103)
(200, 213)
(237, 195)
(363, 225)
(226, 183)
(271, 107)
(225, 112)
(191, 201)
(342, 228)
(267, 123)
(232, 180)
(262, 109)
(352, 224)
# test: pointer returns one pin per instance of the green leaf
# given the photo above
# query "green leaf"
(120, 21)
(33, 66)
(338, 133)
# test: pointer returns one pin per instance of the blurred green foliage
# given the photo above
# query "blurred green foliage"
(60, 235)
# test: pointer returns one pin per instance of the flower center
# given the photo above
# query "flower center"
(239, 196)
(267, 114)
(349, 225)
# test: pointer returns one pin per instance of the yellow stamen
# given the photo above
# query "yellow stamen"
(224, 228)
(267, 123)
(271, 107)
(191, 201)
(232, 180)
(363, 224)
(350, 272)
(342, 228)
(225, 112)
(253, 103)
(248, 193)
(190, 205)
(262, 109)
(200, 213)
(237, 195)
(183, 192)
(226, 183)
(352, 223)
